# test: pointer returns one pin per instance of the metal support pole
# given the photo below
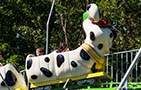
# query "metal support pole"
(65, 85)
(125, 86)
(136, 59)
(47, 26)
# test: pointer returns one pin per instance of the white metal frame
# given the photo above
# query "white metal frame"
(47, 26)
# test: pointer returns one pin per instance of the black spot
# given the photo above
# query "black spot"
(93, 68)
(60, 60)
(100, 46)
(73, 63)
(92, 36)
(47, 59)
(84, 55)
(46, 72)
(84, 35)
(111, 35)
(10, 79)
(34, 77)
(88, 7)
(29, 63)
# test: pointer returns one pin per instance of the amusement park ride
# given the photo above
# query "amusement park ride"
(85, 63)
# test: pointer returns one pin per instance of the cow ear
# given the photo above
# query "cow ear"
(93, 12)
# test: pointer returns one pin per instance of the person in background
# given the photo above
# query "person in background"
(39, 51)
(63, 48)
(0, 59)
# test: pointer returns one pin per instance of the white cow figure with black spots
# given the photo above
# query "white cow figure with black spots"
(11, 78)
(56, 66)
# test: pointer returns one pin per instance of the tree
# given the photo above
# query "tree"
(22, 28)
(23, 25)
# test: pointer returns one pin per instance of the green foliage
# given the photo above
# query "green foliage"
(23, 25)
(22, 28)
(17, 60)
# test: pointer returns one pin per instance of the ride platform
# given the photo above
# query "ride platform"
(98, 76)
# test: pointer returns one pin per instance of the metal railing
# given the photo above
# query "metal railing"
(118, 63)
(124, 81)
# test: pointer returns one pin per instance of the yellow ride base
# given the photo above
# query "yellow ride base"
(101, 75)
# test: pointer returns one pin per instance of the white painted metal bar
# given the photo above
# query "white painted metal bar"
(107, 67)
(65, 85)
(123, 52)
(47, 26)
(117, 69)
(121, 65)
(127, 60)
(136, 71)
(136, 59)
(107, 58)
(131, 62)
(112, 67)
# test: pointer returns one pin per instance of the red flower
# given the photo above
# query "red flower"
(101, 23)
